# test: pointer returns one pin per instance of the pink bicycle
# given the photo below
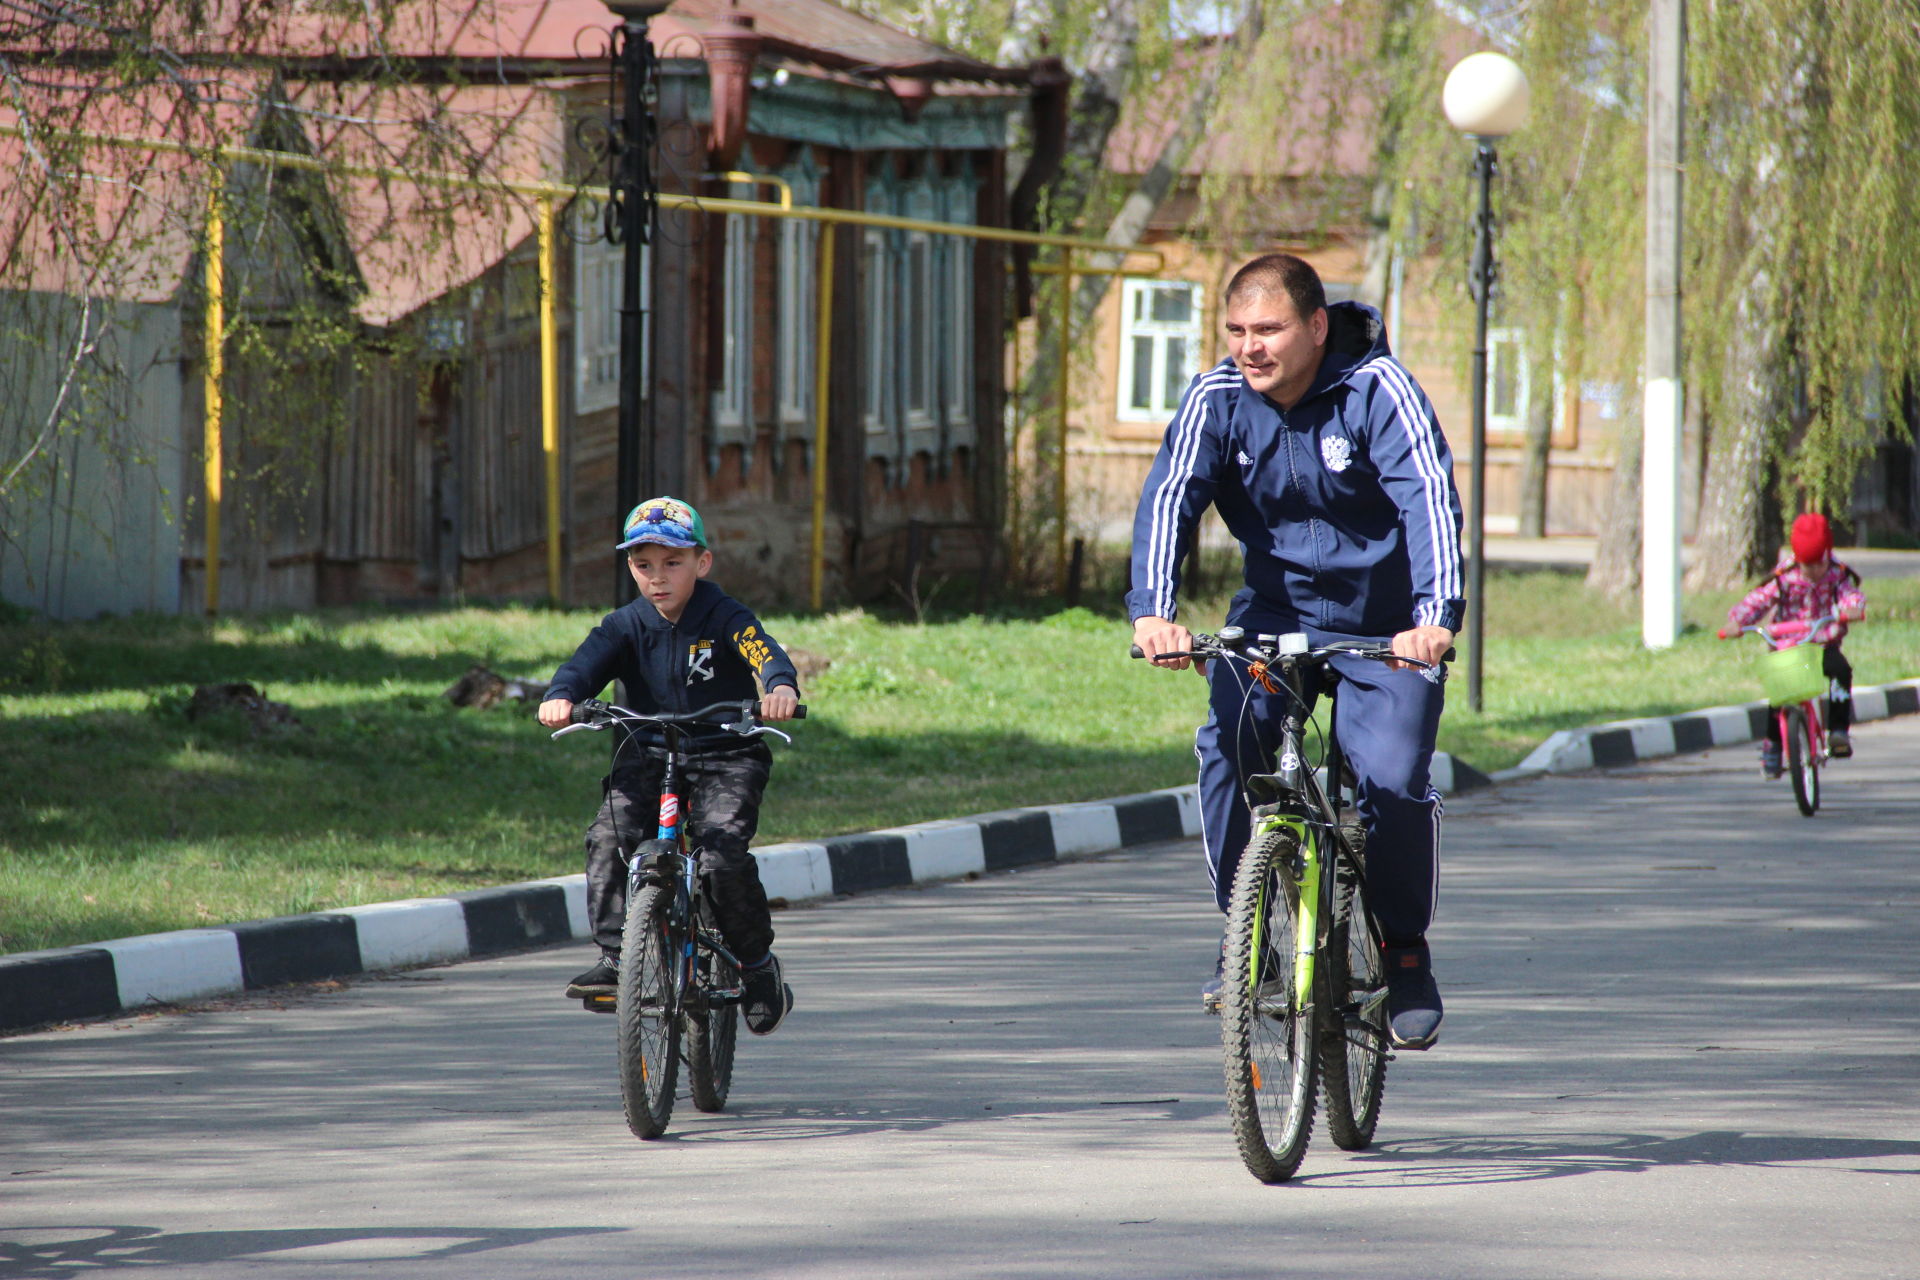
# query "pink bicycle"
(1793, 673)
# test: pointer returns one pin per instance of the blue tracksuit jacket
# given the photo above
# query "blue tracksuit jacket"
(1345, 503)
(1346, 508)
(711, 655)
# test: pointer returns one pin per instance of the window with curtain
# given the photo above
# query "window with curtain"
(733, 396)
(1161, 346)
(798, 308)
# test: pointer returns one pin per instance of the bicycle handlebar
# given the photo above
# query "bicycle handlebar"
(1775, 633)
(590, 711)
(593, 714)
(1268, 648)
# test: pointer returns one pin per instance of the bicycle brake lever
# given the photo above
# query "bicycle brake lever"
(763, 728)
(564, 730)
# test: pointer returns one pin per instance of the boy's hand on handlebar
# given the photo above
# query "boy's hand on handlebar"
(779, 702)
(556, 713)
(1156, 636)
(1423, 644)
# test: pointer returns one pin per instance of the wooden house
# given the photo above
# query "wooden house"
(421, 476)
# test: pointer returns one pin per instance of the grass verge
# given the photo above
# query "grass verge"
(120, 816)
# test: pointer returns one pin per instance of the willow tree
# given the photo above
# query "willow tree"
(1802, 268)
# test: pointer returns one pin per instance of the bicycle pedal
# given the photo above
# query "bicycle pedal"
(599, 1003)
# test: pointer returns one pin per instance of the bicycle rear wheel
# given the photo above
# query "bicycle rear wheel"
(1803, 765)
(1353, 1041)
(1266, 1026)
(711, 1032)
(649, 1009)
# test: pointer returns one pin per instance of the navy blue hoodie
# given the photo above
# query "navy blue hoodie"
(711, 655)
(1344, 504)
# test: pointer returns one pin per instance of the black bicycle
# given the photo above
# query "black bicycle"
(1304, 996)
(680, 988)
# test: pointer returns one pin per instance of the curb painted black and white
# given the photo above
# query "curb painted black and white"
(129, 974)
(1625, 742)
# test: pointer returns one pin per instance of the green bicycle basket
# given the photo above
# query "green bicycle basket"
(1792, 675)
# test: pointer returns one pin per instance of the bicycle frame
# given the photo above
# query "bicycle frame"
(1304, 808)
(687, 892)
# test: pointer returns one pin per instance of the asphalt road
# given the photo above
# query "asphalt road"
(1680, 1042)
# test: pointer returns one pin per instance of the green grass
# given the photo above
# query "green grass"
(119, 816)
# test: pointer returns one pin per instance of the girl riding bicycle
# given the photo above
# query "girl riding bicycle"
(1811, 584)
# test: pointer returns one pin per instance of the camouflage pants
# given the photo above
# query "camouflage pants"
(720, 809)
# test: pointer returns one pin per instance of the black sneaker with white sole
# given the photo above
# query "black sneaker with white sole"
(767, 998)
(601, 980)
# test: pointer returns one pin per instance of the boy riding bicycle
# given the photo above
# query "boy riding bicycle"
(1811, 584)
(683, 643)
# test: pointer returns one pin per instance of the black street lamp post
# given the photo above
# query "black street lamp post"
(1480, 280)
(630, 224)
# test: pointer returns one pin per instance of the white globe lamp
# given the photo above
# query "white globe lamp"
(1485, 95)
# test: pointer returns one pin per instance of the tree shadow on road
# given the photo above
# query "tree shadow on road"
(33, 1252)
(1466, 1161)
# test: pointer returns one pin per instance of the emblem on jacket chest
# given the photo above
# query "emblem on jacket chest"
(700, 661)
(1336, 452)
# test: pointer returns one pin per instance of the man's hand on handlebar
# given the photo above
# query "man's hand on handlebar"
(556, 712)
(1428, 645)
(1156, 636)
(779, 703)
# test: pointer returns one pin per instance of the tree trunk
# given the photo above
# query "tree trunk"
(1086, 145)
(1377, 275)
(1534, 453)
(1733, 544)
(1616, 559)
(1130, 222)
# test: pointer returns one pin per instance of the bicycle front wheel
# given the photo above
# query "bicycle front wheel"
(1353, 1043)
(1803, 765)
(711, 1032)
(648, 1006)
(1266, 1023)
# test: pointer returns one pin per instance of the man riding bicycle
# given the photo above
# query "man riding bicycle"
(1324, 459)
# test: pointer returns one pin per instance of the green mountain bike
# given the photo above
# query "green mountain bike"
(1303, 1004)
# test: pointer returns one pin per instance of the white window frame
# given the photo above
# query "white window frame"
(1132, 298)
(598, 275)
(733, 398)
(919, 324)
(1504, 346)
(881, 315)
(799, 294)
(956, 268)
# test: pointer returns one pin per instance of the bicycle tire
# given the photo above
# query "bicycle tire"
(1353, 1041)
(1266, 1033)
(648, 1007)
(1803, 766)
(711, 1034)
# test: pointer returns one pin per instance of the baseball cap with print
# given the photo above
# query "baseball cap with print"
(667, 521)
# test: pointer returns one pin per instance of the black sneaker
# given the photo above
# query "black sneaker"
(1839, 745)
(768, 998)
(601, 980)
(1770, 760)
(1413, 998)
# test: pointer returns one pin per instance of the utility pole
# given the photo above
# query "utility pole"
(1665, 393)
